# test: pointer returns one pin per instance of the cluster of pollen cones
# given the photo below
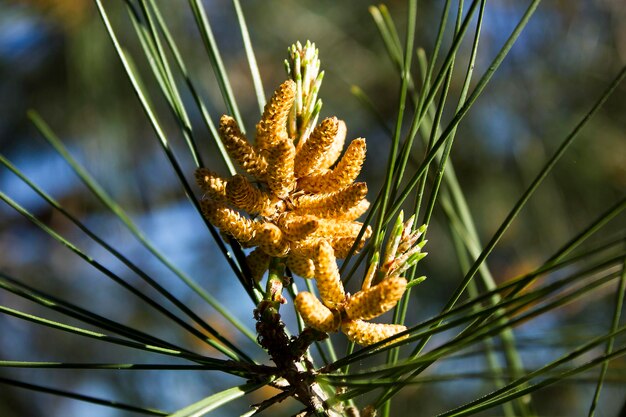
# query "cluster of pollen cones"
(299, 201)
(339, 310)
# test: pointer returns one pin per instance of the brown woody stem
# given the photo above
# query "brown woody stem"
(288, 353)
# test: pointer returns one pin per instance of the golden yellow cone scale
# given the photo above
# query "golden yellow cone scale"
(229, 221)
(341, 176)
(239, 149)
(335, 149)
(332, 205)
(365, 334)
(376, 300)
(315, 314)
(280, 177)
(273, 125)
(301, 265)
(312, 153)
(258, 262)
(212, 184)
(244, 196)
(271, 240)
(327, 276)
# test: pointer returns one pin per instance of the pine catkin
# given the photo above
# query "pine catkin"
(341, 176)
(311, 153)
(273, 125)
(305, 212)
(289, 218)
(301, 266)
(356, 211)
(306, 248)
(298, 227)
(376, 300)
(239, 149)
(271, 240)
(280, 178)
(335, 149)
(338, 228)
(332, 205)
(258, 262)
(212, 184)
(315, 314)
(342, 245)
(244, 196)
(365, 334)
(229, 221)
(327, 276)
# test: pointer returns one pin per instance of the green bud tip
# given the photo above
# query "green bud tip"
(416, 281)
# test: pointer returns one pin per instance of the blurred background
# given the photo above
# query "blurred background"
(56, 58)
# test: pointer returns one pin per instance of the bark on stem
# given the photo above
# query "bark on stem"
(289, 353)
